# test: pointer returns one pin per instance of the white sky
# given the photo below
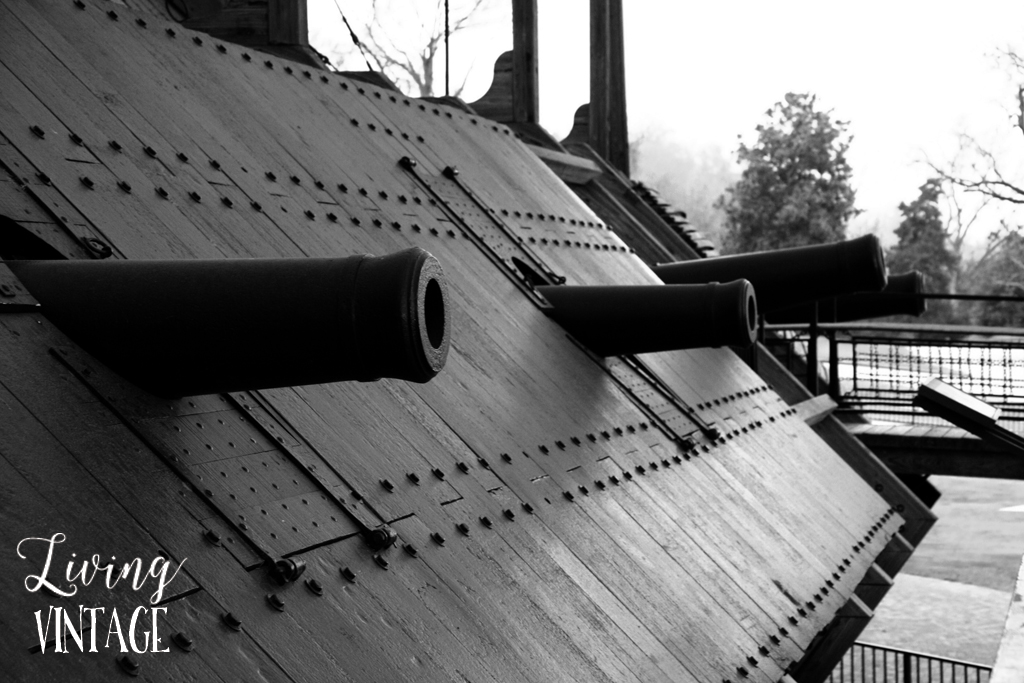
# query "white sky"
(908, 75)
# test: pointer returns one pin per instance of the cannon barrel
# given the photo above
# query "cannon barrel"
(898, 298)
(787, 277)
(178, 328)
(616, 320)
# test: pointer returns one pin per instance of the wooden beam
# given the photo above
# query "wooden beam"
(287, 22)
(618, 128)
(598, 124)
(568, 167)
(895, 554)
(873, 587)
(814, 410)
(821, 658)
(607, 126)
(1009, 666)
(525, 90)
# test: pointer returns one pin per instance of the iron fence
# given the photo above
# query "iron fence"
(875, 370)
(870, 663)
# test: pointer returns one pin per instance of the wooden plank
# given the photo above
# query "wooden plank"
(525, 58)
(814, 410)
(1009, 664)
(569, 167)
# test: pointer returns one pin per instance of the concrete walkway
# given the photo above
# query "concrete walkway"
(951, 597)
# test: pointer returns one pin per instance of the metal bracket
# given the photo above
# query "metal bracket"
(482, 225)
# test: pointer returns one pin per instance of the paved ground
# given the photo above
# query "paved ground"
(951, 597)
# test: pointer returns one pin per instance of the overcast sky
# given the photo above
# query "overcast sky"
(907, 75)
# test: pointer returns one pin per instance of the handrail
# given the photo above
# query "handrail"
(871, 663)
(1009, 666)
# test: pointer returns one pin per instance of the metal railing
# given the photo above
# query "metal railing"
(870, 663)
(875, 369)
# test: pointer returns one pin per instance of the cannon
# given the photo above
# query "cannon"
(617, 320)
(788, 277)
(186, 327)
(898, 298)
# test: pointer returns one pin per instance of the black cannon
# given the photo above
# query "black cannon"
(616, 320)
(898, 298)
(178, 328)
(788, 277)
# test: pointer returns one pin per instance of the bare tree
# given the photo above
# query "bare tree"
(976, 168)
(404, 39)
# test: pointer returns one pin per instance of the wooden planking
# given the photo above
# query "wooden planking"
(506, 357)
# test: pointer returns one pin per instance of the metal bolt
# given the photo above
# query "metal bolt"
(112, 14)
(275, 601)
(414, 478)
(613, 479)
(463, 467)
(256, 205)
(182, 157)
(75, 138)
(315, 587)
(348, 574)
(599, 484)
(544, 450)
(509, 514)
(568, 495)
(486, 521)
(309, 214)
(506, 457)
(226, 202)
(411, 550)
(332, 218)
(775, 639)
(231, 621)
(182, 640)
(212, 537)
(528, 508)
(195, 197)
(87, 181)
(584, 490)
(575, 441)
(463, 528)
(124, 186)
(438, 473)
(381, 561)
(388, 486)
(128, 664)
(437, 538)
(149, 150)
(6, 290)
(295, 179)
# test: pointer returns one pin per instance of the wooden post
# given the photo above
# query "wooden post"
(812, 353)
(598, 126)
(609, 136)
(525, 99)
(287, 22)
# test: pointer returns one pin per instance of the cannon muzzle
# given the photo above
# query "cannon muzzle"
(788, 277)
(898, 298)
(178, 328)
(616, 320)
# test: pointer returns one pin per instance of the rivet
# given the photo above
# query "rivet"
(112, 14)
(640, 469)
(544, 450)
(269, 64)
(381, 561)
(79, 4)
(568, 495)
(256, 205)
(197, 40)
(388, 486)
(584, 490)
(246, 57)
(348, 574)
(195, 196)
(606, 435)
(411, 550)
(613, 479)
(438, 473)
(775, 639)
(221, 49)
(170, 32)
(182, 640)
(182, 157)
(288, 70)
(742, 672)
(231, 621)
(528, 508)
(437, 538)
(463, 467)
(309, 214)
(575, 441)
(149, 150)
(509, 514)
(414, 478)
(43, 178)
(506, 457)
(332, 218)
(226, 202)
(128, 664)
(486, 521)
(275, 601)
(295, 179)
(315, 587)
(463, 528)
(75, 138)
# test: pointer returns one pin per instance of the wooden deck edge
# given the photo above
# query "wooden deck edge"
(1009, 666)
(569, 167)
(814, 410)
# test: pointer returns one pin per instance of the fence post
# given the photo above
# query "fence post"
(812, 353)
(833, 366)
(907, 678)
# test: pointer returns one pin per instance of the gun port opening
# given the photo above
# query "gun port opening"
(433, 313)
